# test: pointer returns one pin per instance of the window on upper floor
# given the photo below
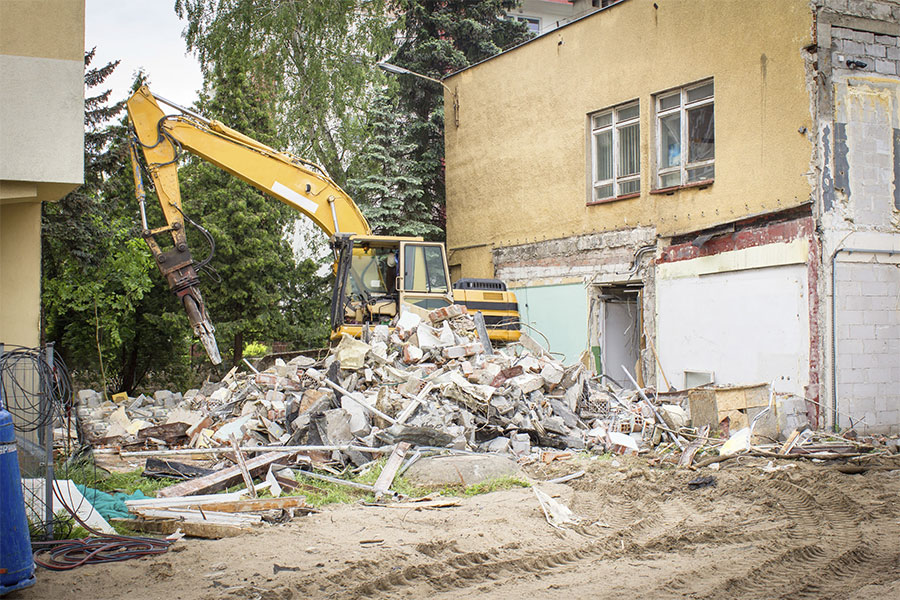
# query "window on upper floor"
(532, 23)
(685, 135)
(615, 152)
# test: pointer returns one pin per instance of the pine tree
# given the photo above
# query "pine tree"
(437, 37)
(262, 294)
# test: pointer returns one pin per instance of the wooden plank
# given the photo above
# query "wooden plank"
(687, 457)
(194, 515)
(220, 479)
(256, 504)
(193, 500)
(207, 531)
(389, 472)
(242, 465)
(353, 484)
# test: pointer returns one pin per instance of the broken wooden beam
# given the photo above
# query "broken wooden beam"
(209, 531)
(389, 472)
(220, 479)
(242, 465)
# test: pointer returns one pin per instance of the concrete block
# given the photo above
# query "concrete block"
(886, 67)
(877, 375)
(862, 332)
(854, 47)
(892, 53)
(875, 50)
(887, 40)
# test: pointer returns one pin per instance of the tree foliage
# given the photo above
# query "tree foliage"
(320, 53)
(438, 37)
(99, 302)
(259, 292)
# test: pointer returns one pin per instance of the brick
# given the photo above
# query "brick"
(446, 312)
(886, 67)
(887, 40)
(893, 53)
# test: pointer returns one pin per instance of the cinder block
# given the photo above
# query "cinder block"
(863, 361)
(865, 391)
(876, 50)
(887, 40)
(878, 375)
(848, 376)
(862, 332)
(886, 67)
(892, 53)
(854, 47)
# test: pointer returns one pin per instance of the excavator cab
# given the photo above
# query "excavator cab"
(377, 277)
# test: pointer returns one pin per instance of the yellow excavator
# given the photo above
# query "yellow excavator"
(376, 277)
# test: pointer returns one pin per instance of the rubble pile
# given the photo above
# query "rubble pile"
(431, 382)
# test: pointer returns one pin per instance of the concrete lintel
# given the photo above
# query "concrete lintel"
(834, 19)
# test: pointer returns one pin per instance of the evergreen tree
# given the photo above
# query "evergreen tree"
(262, 293)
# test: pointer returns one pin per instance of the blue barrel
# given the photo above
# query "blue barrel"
(16, 560)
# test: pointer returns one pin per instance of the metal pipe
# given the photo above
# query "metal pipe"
(250, 449)
(834, 389)
(186, 111)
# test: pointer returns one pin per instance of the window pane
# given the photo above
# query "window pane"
(629, 150)
(701, 173)
(603, 191)
(603, 156)
(630, 187)
(699, 93)
(670, 141)
(423, 269)
(701, 134)
(670, 179)
(629, 112)
(671, 101)
(601, 120)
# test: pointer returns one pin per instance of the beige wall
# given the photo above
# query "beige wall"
(41, 143)
(20, 269)
(517, 165)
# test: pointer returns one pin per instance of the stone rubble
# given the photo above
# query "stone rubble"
(431, 379)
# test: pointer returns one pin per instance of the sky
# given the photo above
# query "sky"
(142, 33)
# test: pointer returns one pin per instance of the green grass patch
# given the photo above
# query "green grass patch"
(497, 484)
(88, 475)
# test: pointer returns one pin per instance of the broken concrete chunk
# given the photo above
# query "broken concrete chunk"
(412, 354)
(460, 470)
(407, 324)
(351, 352)
(527, 382)
(221, 395)
(552, 374)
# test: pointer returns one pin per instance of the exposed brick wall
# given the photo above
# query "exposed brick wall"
(868, 344)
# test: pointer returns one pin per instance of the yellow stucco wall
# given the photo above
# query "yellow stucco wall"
(20, 268)
(517, 165)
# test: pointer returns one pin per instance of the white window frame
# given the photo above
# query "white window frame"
(615, 125)
(682, 109)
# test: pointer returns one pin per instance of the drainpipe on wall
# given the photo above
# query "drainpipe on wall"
(834, 390)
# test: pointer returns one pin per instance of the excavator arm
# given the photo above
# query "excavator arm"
(298, 183)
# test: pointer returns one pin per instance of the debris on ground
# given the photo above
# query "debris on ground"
(413, 395)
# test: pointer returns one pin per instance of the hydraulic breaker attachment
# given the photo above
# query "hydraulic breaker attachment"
(177, 266)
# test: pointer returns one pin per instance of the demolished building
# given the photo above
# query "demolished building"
(708, 189)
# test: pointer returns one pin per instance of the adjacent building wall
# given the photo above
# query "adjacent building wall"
(41, 143)
(517, 165)
(858, 169)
